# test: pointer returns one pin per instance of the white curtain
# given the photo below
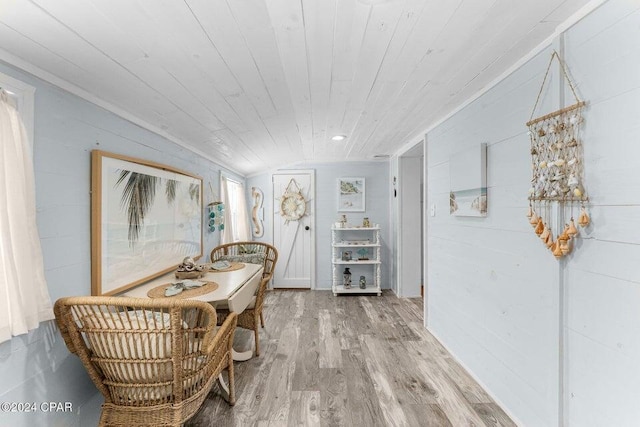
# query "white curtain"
(24, 297)
(236, 220)
(243, 233)
(227, 233)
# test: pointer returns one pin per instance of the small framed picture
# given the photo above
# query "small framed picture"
(351, 194)
(346, 256)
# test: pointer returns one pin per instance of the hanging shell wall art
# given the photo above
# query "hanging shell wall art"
(558, 174)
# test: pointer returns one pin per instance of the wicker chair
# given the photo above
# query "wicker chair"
(153, 360)
(238, 250)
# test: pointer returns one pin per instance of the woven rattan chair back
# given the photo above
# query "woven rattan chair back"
(153, 360)
(248, 248)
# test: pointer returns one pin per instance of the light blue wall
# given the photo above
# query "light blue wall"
(378, 209)
(37, 367)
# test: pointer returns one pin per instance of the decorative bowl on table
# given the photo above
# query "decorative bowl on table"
(189, 270)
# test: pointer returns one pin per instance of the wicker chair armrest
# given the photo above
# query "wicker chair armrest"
(224, 332)
(61, 312)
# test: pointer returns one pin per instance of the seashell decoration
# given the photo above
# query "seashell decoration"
(549, 241)
(534, 219)
(530, 212)
(555, 154)
(563, 240)
(583, 219)
(572, 181)
(556, 250)
(561, 246)
(545, 234)
(188, 269)
(558, 174)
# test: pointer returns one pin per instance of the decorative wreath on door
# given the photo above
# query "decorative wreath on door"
(293, 205)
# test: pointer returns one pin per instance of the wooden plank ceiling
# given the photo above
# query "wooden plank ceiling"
(257, 84)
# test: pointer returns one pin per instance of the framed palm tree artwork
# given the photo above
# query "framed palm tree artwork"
(145, 219)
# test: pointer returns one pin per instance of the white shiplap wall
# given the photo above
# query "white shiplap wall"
(37, 367)
(493, 289)
(521, 322)
(602, 280)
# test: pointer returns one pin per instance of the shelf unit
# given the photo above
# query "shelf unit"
(341, 240)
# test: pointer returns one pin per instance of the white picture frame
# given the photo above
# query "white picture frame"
(468, 182)
(351, 194)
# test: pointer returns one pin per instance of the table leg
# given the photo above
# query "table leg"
(224, 386)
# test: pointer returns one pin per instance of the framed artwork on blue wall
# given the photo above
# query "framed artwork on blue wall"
(351, 194)
(145, 219)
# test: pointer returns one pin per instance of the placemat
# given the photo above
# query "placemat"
(234, 266)
(158, 292)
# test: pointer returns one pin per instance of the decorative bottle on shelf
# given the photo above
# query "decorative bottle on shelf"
(363, 282)
(366, 223)
(346, 278)
(343, 221)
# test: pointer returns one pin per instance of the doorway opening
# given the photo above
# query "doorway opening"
(411, 224)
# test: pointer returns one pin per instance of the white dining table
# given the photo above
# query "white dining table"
(235, 288)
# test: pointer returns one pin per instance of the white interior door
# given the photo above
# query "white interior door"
(294, 239)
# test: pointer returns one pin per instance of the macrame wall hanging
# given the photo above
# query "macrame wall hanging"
(558, 173)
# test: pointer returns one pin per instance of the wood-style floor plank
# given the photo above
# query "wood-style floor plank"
(329, 343)
(348, 361)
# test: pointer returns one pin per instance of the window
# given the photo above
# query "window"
(236, 222)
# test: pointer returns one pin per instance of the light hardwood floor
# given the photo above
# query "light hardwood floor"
(348, 361)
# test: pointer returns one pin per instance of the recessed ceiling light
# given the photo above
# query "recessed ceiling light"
(339, 137)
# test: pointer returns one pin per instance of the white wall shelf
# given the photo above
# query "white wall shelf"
(353, 239)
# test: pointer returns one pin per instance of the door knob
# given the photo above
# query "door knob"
(306, 227)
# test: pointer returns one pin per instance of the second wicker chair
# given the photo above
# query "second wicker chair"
(256, 252)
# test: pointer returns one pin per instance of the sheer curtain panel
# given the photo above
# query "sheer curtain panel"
(227, 233)
(242, 231)
(24, 297)
(236, 219)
